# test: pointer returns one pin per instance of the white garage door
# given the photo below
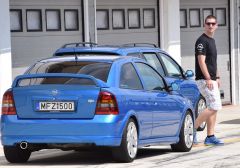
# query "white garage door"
(192, 15)
(39, 27)
(127, 21)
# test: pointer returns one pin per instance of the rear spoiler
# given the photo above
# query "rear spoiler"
(98, 82)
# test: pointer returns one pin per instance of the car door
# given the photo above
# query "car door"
(174, 73)
(165, 109)
(135, 99)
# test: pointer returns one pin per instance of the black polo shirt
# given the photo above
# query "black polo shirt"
(206, 46)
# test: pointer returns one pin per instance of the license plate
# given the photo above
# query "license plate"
(55, 106)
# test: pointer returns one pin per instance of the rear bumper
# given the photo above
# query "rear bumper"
(102, 130)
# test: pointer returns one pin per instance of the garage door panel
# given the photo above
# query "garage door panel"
(37, 3)
(124, 38)
(137, 16)
(29, 46)
(123, 3)
(27, 50)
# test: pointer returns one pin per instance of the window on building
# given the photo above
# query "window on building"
(183, 18)
(34, 19)
(102, 19)
(71, 19)
(16, 20)
(206, 12)
(149, 18)
(53, 20)
(118, 19)
(221, 16)
(194, 17)
(133, 18)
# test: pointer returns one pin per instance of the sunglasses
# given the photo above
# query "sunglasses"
(211, 23)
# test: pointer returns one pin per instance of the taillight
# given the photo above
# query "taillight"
(8, 107)
(106, 104)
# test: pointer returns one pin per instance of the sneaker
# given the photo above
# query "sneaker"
(213, 141)
(195, 141)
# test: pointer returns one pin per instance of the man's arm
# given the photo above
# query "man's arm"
(203, 67)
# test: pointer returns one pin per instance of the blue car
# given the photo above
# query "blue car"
(113, 101)
(159, 59)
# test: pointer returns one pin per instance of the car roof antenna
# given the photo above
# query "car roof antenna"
(91, 45)
(76, 57)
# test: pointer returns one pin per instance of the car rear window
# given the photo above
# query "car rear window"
(99, 70)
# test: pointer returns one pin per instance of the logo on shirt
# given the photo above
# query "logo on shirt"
(200, 47)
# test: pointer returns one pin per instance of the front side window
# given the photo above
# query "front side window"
(172, 68)
(153, 61)
(129, 78)
(152, 80)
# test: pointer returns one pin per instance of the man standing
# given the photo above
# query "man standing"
(208, 80)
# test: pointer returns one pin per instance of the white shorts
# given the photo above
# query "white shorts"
(212, 97)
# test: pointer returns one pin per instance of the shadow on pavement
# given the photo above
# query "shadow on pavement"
(235, 121)
(96, 157)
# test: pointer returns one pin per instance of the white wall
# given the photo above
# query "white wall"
(170, 28)
(5, 49)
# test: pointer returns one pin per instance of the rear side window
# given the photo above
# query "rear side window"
(153, 60)
(98, 70)
(129, 78)
(152, 80)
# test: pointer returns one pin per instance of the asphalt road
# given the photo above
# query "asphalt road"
(227, 156)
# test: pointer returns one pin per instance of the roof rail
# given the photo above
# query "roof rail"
(106, 45)
(80, 44)
(139, 45)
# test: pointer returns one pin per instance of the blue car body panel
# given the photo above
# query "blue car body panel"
(188, 87)
(158, 114)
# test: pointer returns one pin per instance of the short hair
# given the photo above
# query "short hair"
(210, 17)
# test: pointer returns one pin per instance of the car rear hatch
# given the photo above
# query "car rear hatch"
(56, 95)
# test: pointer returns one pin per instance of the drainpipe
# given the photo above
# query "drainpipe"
(238, 47)
(86, 20)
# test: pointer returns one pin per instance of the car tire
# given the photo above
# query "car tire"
(14, 154)
(186, 135)
(127, 151)
(201, 105)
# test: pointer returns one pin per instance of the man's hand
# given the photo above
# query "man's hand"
(209, 84)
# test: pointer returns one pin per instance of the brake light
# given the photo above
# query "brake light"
(8, 106)
(106, 104)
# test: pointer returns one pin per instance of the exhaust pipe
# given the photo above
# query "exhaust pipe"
(24, 145)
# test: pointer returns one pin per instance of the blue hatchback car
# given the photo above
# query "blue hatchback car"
(159, 59)
(113, 101)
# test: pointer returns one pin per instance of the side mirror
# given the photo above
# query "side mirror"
(174, 87)
(189, 73)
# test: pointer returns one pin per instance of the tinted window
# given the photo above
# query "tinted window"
(171, 66)
(97, 69)
(129, 78)
(154, 61)
(135, 55)
(152, 80)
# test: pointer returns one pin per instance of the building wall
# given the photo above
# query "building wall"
(5, 49)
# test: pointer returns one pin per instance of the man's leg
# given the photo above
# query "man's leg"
(211, 121)
(211, 138)
(203, 116)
